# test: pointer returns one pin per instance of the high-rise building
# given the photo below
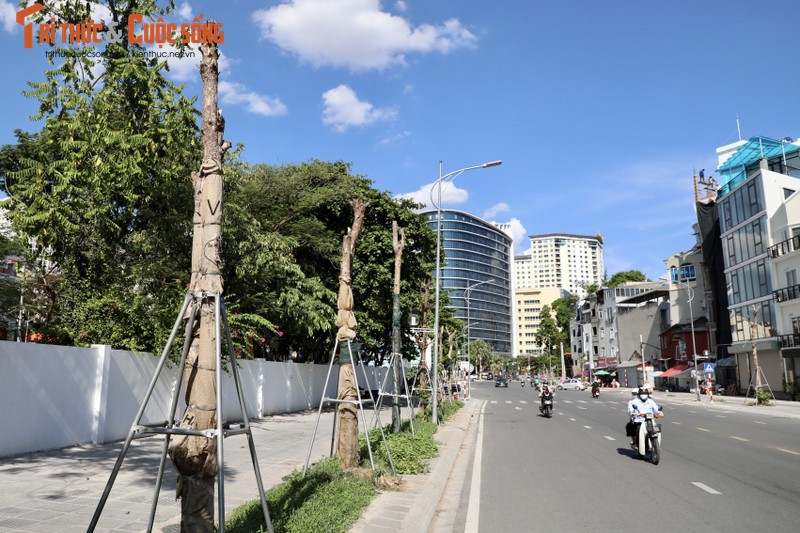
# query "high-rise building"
(475, 251)
(568, 262)
(523, 272)
(528, 309)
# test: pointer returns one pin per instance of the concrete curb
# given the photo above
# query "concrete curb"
(451, 437)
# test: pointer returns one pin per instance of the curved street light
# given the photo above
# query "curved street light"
(449, 177)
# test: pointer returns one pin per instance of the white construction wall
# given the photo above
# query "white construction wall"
(58, 396)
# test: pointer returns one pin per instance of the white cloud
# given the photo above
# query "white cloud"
(401, 6)
(354, 33)
(8, 16)
(343, 109)
(394, 138)
(185, 12)
(451, 194)
(492, 212)
(235, 94)
(518, 233)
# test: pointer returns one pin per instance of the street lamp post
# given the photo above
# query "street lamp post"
(438, 184)
(690, 294)
(467, 293)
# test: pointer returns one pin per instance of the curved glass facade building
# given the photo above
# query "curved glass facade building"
(473, 251)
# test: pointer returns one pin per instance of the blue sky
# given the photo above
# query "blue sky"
(600, 110)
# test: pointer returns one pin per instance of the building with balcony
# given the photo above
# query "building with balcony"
(785, 264)
(757, 214)
(476, 251)
(568, 262)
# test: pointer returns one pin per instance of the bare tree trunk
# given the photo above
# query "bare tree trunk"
(195, 458)
(347, 444)
(398, 243)
(753, 334)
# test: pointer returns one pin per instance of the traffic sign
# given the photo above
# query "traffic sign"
(708, 368)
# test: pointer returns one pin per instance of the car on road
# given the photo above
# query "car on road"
(572, 384)
(501, 382)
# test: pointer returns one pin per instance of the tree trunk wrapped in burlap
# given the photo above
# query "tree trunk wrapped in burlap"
(195, 458)
(347, 447)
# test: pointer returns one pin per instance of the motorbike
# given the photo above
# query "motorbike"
(595, 392)
(547, 405)
(649, 441)
(522, 382)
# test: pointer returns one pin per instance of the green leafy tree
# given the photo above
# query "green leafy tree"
(103, 187)
(548, 335)
(625, 276)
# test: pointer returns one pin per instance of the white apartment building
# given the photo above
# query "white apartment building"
(565, 261)
(523, 272)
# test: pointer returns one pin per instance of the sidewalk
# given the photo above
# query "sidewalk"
(59, 490)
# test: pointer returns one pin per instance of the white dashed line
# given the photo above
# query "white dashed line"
(572, 419)
(676, 423)
(739, 438)
(508, 401)
(609, 438)
(494, 401)
(568, 401)
(705, 487)
(703, 429)
(588, 427)
(757, 422)
(584, 408)
(523, 401)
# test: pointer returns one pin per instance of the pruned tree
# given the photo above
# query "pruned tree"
(195, 457)
(347, 444)
(398, 243)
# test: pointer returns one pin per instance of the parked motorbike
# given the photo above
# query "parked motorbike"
(649, 441)
(546, 408)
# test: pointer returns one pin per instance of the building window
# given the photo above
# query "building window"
(791, 278)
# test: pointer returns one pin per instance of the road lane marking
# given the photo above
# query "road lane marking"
(609, 438)
(494, 401)
(568, 401)
(739, 438)
(518, 408)
(588, 427)
(523, 401)
(473, 507)
(572, 419)
(705, 487)
(582, 401)
(721, 416)
(789, 451)
(693, 412)
(584, 408)
(703, 429)
(508, 401)
(757, 422)
(676, 423)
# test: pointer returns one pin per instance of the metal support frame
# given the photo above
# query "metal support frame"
(338, 401)
(169, 427)
(382, 393)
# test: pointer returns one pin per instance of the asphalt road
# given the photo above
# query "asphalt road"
(721, 470)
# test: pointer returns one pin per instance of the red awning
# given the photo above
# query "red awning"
(677, 369)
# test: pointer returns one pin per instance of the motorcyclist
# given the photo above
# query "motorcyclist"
(544, 393)
(595, 386)
(639, 406)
